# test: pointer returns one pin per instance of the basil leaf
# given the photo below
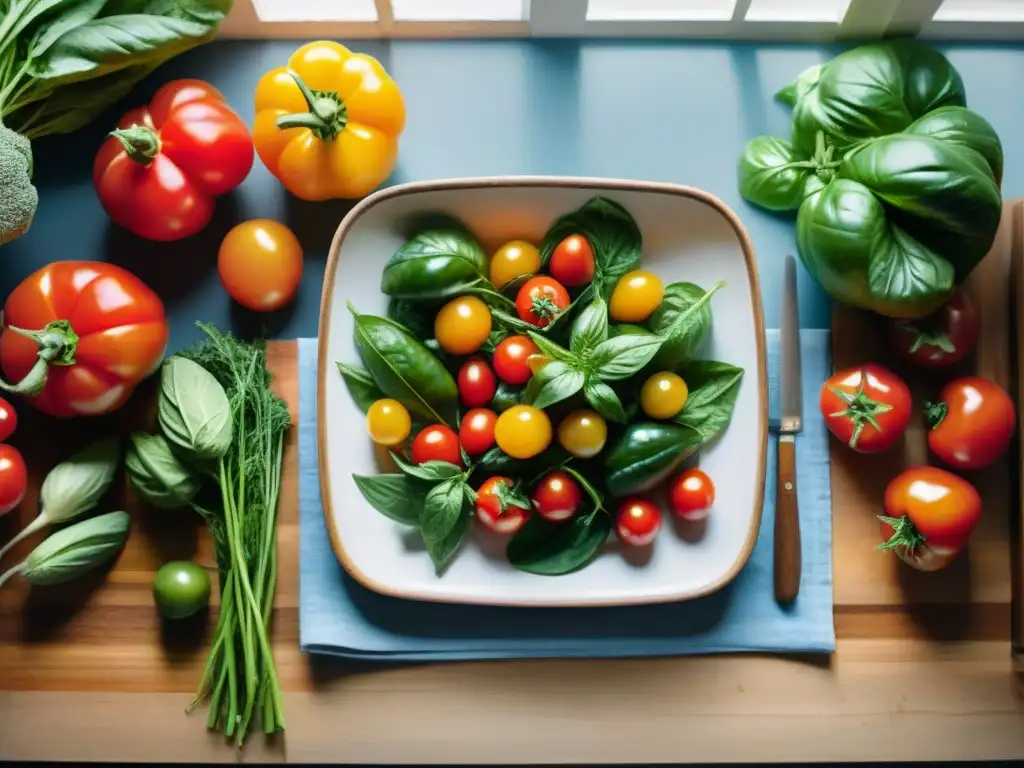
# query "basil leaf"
(428, 470)
(399, 497)
(621, 357)
(156, 473)
(416, 316)
(611, 231)
(405, 369)
(193, 409)
(772, 174)
(361, 386)
(592, 492)
(714, 387)
(603, 399)
(590, 328)
(77, 484)
(550, 549)
(497, 462)
(77, 549)
(552, 350)
(436, 263)
(494, 338)
(444, 522)
(683, 318)
(553, 383)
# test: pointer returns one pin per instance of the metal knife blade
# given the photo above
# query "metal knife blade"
(791, 412)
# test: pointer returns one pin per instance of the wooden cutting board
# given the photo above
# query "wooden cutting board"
(921, 671)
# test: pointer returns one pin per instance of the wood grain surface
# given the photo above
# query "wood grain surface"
(921, 670)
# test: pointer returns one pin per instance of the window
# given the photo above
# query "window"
(822, 20)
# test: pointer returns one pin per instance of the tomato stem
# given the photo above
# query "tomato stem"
(57, 345)
(140, 143)
(905, 535)
(327, 115)
(860, 409)
(934, 413)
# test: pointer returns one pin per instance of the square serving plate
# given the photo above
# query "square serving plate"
(688, 235)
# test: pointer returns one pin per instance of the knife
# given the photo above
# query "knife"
(787, 518)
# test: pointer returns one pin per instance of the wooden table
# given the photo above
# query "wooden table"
(921, 670)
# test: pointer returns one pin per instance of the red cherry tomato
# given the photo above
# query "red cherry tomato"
(13, 478)
(557, 497)
(572, 261)
(501, 506)
(159, 172)
(929, 515)
(691, 495)
(540, 300)
(867, 407)
(477, 383)
(476, 431)
(944, 338)
(436, 443)
(637, 522)
(972, 423)
(511, 359)
(8, 420)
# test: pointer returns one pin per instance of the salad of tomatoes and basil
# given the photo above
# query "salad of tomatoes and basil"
(543, 392)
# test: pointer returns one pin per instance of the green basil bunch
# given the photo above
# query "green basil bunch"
(158, 475)
(895, 182)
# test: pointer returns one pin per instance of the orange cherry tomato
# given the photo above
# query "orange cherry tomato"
(929, 515)
(572, 261)
(972, 423)
(260, 264)
(97, 328)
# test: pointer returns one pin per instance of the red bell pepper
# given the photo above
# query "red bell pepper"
(78, 336)
(158, 173)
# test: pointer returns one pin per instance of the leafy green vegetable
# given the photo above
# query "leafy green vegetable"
(74, 550)
(158, 476)
(399, 497)
(683, 319)
(621, 357)
(436, 263)
(603, 399)
(404, 369)
(19, 202)
(361, 386)
(445, 520)
(551, 549)
(590, 328)
(193, 409)
(416, 316)
(646, 454)
(714, 387)
(553, 383)
(774, 174)
(497, 462)
(433, 470)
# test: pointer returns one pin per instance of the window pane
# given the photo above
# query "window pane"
(797, 10)
(458, 10)
(316, 10)
(659, 10)
(980, 10)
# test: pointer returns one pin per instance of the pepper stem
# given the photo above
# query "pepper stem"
(140, 143)
(327, 115)
(905, 535)
(57, 345)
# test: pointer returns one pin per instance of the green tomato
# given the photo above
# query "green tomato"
(181, 589)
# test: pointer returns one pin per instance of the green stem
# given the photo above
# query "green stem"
(40, 522)
(141, 143)
(13, 84)
(327, 115)
(905, 535)
(230, 661)
(13, 571)
(57, 344)
(213, 717)
(226, 609)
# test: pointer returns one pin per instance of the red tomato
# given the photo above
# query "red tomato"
(501, 506)
(13, 478)
(637, 522)
(572, 261)
(929, 515)
(260, 264)
(972, 423)
(944, 338)
(159, 171)
(436, 443)
(477, 383)
(8, 419)
(557, 496)
(540, 300)
(691, 495)
(511, 359)
(97, 316)
(476, 431)
(867, 407)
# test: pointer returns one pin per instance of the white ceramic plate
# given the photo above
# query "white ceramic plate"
(688, 235)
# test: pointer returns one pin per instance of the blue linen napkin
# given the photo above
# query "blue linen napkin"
(339, 616)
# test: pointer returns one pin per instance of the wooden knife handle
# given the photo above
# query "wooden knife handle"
(787, 524)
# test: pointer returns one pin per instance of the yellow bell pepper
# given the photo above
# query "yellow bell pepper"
(327, 125)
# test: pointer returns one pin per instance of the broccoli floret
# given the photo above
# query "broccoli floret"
(18, 198)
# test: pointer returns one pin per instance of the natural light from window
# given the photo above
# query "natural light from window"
(660, 10)
(316, 10)
(458, 10)
(831, 11)
(980, 10)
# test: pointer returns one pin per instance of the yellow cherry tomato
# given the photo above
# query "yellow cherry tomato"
(388, 422)
(583, 433)
(663, 395)
(536, 362)
(260, 264)
(512, 260)
(523, 431)
(462, 325)
(636, 295)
